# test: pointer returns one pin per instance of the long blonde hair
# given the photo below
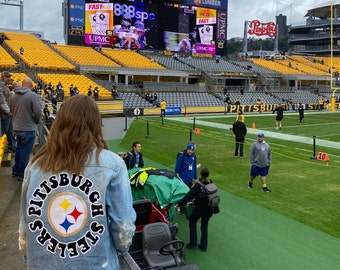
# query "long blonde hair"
(74, 132)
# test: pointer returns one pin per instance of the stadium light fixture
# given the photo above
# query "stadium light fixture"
(16, 3)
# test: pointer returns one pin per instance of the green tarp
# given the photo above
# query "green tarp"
(161, 189)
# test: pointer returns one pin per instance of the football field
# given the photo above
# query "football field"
(296, 226)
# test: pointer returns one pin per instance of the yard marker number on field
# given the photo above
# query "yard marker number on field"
(322, 156)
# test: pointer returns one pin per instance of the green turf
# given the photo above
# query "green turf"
(247, 236)
(296, 226)
(303, 189)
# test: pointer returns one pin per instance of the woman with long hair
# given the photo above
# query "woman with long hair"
(76, 205)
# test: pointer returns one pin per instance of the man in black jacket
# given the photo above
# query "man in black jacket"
(134, 158)
(240, 131)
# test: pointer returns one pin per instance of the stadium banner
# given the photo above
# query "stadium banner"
(98, 19)
(262, 29)
(217, 4)
(269, 107)
(173, 110)
(221, 29)
(76, 21)
(77, 13)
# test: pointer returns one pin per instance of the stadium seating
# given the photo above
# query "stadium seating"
(7, 61)
(53, 63)
(36, 54)
(80, 81)
(280, 66)
(131, 59)
(85, 56)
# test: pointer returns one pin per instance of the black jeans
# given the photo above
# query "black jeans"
(239, 145)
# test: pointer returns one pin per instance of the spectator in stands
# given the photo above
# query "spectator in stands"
(26, 109)
(76, 90)
(54, 104)
(237, 102)
(241, 91)
(90, 190)
(89, 91)
(40, 86)
(60, 94)
(59, 86)
(5, 112)
(227, 99)
(46, 112)
(114, 92)
(72, 92)
(146, 96)
(96, 93)
(21, 50)
(48, 90)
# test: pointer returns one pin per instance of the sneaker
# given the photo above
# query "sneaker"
(200, 247)
(242, 156)
(250, 185)
(265, 189)
(188, 246)
(235, 156)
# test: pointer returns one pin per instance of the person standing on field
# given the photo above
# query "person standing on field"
(260, 159)
(279, 115)
(301, 110)
(240, 131)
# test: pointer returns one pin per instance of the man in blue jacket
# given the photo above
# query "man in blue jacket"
(186, 165)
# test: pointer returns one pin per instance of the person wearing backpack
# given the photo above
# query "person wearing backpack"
(201, 210)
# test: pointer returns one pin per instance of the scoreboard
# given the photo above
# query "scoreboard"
(192, 26)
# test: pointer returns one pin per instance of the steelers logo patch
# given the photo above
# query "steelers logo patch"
(67, 214)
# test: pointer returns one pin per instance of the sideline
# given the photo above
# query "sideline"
(276, 135)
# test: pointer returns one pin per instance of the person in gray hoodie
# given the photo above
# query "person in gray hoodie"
(26, 111)
(260, 158)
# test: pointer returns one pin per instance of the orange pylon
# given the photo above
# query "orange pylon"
(253, 125)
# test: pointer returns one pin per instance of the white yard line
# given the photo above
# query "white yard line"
(277, 135)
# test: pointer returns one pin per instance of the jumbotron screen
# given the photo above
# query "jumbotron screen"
(198, 25)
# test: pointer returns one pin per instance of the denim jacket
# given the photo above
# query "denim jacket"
(77, 222)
